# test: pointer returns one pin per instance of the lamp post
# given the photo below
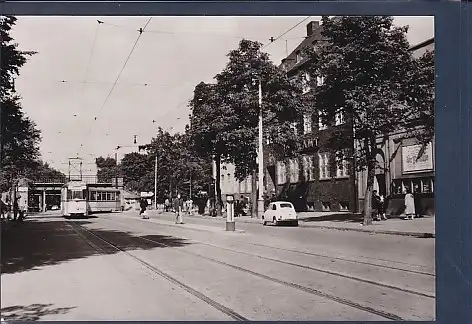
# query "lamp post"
(260, 158)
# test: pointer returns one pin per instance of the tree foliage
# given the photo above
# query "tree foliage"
(19, 137)
(365, 62)
(420, 95)
(282, 104)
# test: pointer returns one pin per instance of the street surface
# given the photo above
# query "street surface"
(121, 267)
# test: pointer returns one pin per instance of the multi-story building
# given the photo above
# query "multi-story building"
(230, 185)
(313, 180)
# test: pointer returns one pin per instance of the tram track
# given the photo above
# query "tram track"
(79, 229)
(312, 291)
(390, 267)
(320, 270)
(409, 271)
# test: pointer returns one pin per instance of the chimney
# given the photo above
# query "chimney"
(312, 27)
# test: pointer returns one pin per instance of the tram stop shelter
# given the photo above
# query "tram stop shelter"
(44, 196)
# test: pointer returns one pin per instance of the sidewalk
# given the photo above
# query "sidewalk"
(419, 227)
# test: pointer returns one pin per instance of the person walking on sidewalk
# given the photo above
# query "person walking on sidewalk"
(178, 207)
(418, 207)
(375, 205)
(382, 207)
(409, 205)
(143, 204)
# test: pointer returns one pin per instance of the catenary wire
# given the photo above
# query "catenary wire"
(119, 75)
(91, 55)
(286, 32)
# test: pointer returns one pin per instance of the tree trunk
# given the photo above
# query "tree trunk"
(218, 201)
(371, 146)
(254, 194)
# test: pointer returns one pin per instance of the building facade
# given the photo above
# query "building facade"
(230, 185)
(313, 180)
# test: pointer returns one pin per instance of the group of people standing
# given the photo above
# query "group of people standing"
(413, 207)
(178, 207)
(7, 209)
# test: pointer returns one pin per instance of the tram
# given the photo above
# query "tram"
(74, 199)
(103, 199)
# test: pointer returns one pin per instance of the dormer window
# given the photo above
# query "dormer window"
(306, 82)
(339, 118)
(298, 57)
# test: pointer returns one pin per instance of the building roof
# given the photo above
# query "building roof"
(313, 36)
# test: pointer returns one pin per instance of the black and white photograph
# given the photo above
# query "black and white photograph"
(213, 168)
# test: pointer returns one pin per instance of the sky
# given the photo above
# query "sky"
(67, 87)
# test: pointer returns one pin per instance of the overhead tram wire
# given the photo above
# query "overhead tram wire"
(286, 32)
(141, 30)
(91, 55)
(162, 32)
(176, 107)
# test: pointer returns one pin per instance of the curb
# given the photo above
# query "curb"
(364, 230)
(210, 229)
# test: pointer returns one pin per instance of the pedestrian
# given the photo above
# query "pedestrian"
(143, 204)
(418, 206)
(178, 206)
(3, 208)
(15, 208)
(409, 205)
(375, 205)
(382, 208)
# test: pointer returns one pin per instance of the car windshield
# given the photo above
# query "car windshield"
(285, 206)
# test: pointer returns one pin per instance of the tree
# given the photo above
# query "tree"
(365, 62)
(19, 137)
(420, 94)
(136, 170)
(209, 122)
(282, 105)
(107, 169)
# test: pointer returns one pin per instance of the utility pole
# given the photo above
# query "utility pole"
(155, 183)
(260, 157)
(116, 170)
(190, 186)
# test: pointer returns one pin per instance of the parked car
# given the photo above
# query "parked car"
(280, 212)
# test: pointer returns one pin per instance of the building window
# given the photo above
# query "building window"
(326, 206)
(344, 206)
(294, 170)
(321, 124)
(307, 124)
(293, 126)
(324, 165)
(281, 173)
(319, 81)
(339, 118)
(342, 165)
(306, 82)
(308, 168)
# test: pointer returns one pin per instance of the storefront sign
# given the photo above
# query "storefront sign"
(414, 162)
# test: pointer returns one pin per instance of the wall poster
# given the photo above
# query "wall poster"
(412, 161)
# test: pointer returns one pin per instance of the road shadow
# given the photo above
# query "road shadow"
(338, 217)
(31, 312)
(37, 243)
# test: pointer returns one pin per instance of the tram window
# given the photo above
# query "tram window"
(93, 195)
(108, 196)
(77, 194)
(69, 194)
(99, 196)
